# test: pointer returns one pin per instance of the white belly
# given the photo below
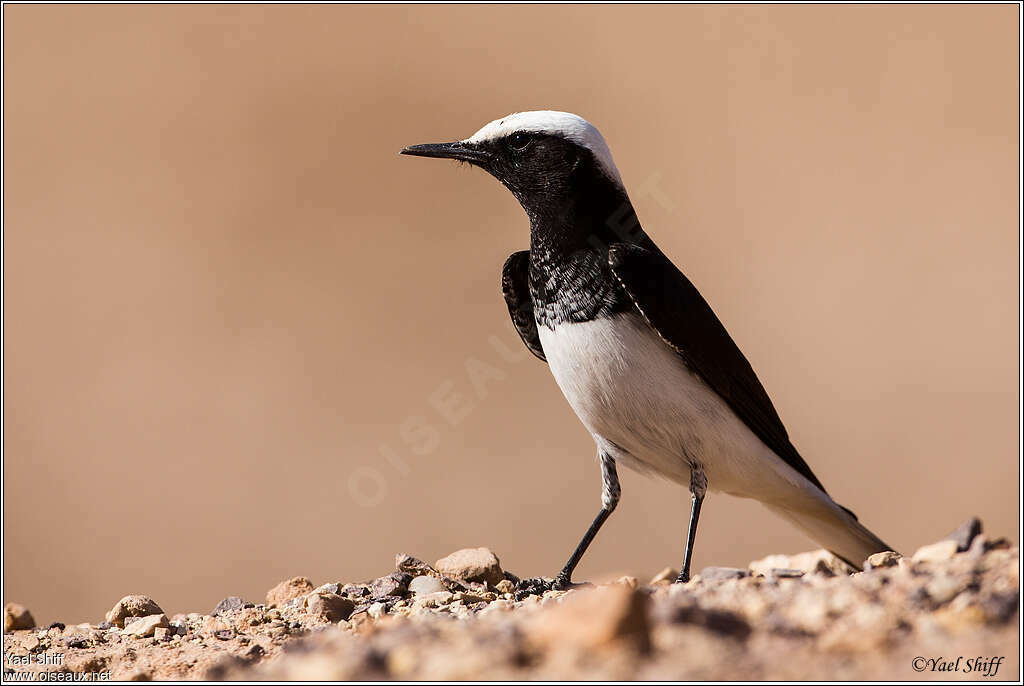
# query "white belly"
(649, 411)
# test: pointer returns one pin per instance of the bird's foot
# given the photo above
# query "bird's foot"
(683, 577)
(541, 585)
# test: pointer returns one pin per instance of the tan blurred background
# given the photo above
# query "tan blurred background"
(231, 309)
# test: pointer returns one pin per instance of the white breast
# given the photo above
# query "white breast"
(649, 411)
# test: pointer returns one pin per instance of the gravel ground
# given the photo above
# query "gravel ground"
(950, 611)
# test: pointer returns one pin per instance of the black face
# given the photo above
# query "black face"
(540, 169)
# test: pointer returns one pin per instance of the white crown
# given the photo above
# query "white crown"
(570, 126)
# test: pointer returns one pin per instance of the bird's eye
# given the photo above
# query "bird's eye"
(519, 141)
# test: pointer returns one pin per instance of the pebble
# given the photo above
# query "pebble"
(593, 619)
(495, 606)
(394, 584)
(936, 552)
(288, 590)
(470, 598)
(505, 586)
(667, 575)
(785, 573)
(141, 627)
(329, 606)
(965, 534)
(133, 606)
(718, 621)
(886, 558)
(723, 573)
(423, 585)
(943, 588)
(17, 617)
(432, 600)
(814, 562)
(231, 604)
(413, 566)
(472, 564)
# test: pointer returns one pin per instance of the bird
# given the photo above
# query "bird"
(638, 353)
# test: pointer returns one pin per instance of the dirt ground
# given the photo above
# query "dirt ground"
(950, 611)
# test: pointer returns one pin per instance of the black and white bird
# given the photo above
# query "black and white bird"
(638, 353)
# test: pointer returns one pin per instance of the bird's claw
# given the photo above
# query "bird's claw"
(541, 585)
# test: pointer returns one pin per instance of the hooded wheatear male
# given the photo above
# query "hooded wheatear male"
(640, 356)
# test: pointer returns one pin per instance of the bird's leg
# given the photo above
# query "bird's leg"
(698, 487)
(610, 492)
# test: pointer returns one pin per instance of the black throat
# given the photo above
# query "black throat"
(570, 232)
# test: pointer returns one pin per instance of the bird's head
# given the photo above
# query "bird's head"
(540, 156)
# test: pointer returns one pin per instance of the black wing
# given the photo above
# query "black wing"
(676, 310)
(515, 285)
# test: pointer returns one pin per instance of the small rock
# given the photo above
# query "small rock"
(377, 610)
(472, 564)
(814, 562)
(132, 606)
(329, 588)
(593, 619)
(330, 606)
(140, 627)
(667, 575)
(211, 625)
(785, 573)
(394, 584)
(355, 590)
(413, 566)
(59, 626)
(765, 564)
(423, 585)
(1001, 543)
(1001, 607)
(886, 558)
(979, 546)
(230, 604)
(470, 598)
(943, 588)
(722, 573)
(162, 633)
(287, 590)
(965, 534)
(936, 552)
(722, 622)
(628, 581)
(17, 617)
(432, 600)
(823, 569)
(506, 586)
(820, 562)
(73, 642)
(29, 643)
